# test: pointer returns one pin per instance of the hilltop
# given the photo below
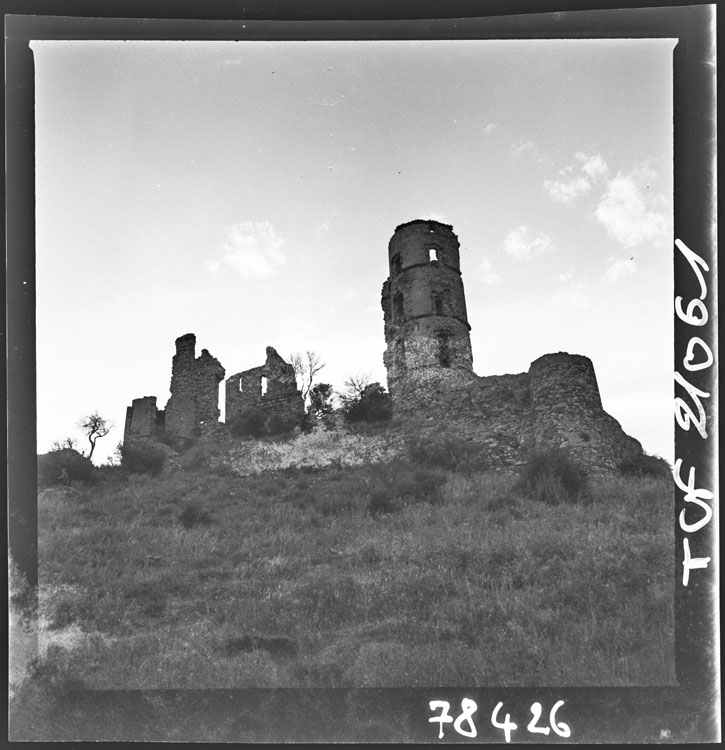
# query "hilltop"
(382, 565)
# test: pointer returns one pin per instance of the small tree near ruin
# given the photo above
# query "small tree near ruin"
(321, 406)
(364, 401)
(306, 366)
(95, 427)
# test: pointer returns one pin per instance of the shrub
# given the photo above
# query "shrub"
(51, 468)
(193, 515)
(372, 405)
(450, 453)
(145, 457)
(250, 423)
(553, 477)
(279, 425)
(381, 503)
(644, 465)
(400, 484)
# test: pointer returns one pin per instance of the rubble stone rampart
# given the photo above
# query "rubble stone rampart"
(568, 413)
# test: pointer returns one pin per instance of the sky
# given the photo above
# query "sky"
(247, 191)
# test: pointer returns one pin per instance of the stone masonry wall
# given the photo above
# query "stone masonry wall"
(193, 408)
(554, 405)
(143, 419)
(493, 413)
(281, 400)
(424, 310)
(430, 368)
(567, 412)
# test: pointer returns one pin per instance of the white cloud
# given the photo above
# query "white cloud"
(489, 128)
(253, 249)
(517, 149)
(631, 216)
(522, 243)
(566, 276)
(567, 192)
(618, 269)
(594, 166)
(574, 187)
(212, 268)
(487, 273)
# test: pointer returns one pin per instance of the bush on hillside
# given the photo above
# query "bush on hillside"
(450, 453)
(372, 405)
(250, 423)
(553, 477)
(400, 484)
(278, 425)
(644, 465)
(144, 457)
(63, 467)
(194, 515)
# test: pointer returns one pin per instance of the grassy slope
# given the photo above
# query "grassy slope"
(480, 587)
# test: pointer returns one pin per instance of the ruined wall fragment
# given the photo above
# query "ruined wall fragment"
(143, 419)
(193, 408)
(270, 388)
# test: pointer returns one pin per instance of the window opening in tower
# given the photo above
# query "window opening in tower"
(438, 304)
(398, 304)
(444, 351)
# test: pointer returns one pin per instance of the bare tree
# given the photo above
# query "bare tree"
(95, 427)
(69, 444)
(354, 387)
(306, 366)
(365, 401)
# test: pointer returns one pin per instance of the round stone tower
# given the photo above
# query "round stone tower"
(424, 308)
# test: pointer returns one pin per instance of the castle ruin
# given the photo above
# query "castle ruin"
(270, 388)
(193, 408)
(429, 363)
(556, 404)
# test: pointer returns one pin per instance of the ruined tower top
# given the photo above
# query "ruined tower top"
(423, 241)
(186, 345)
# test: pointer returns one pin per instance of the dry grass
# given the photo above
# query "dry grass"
(190, 579)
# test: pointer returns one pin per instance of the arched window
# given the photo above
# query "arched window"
(264, 384)
(395, 264)
(433, 256)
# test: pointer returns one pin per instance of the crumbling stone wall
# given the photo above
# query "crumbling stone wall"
(143, 419)
(193, 408)
(567, 412)
(430, 372)
(280, 401)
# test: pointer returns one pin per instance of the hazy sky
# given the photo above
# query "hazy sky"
(247, 191)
